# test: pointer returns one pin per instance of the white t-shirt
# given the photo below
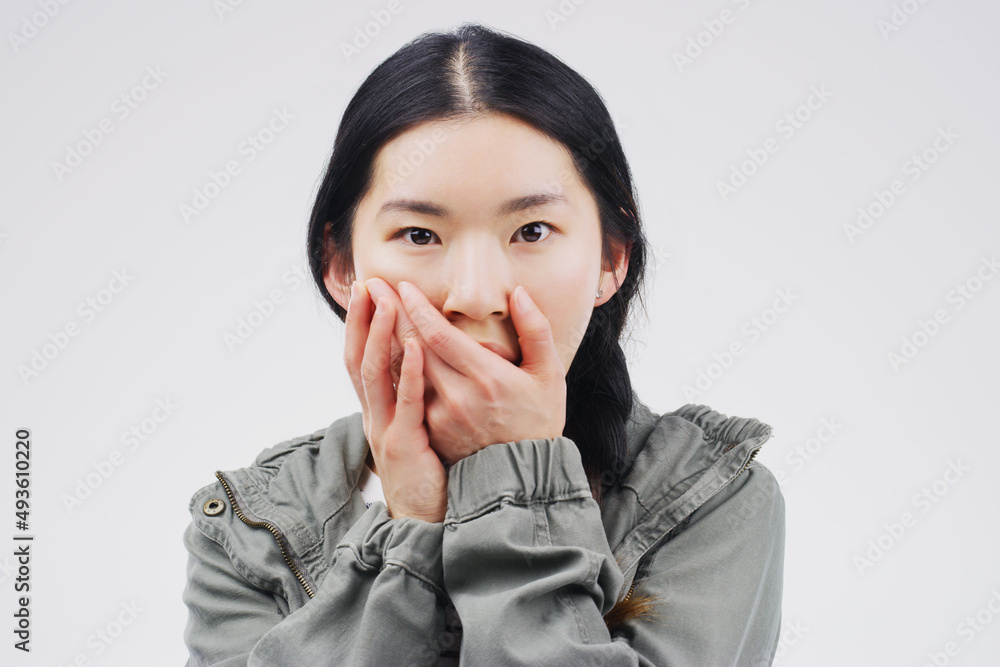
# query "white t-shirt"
(371, 486)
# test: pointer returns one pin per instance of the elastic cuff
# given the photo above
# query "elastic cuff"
(379, 540)
(522, 472)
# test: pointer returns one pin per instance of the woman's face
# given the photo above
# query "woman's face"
(466, 210)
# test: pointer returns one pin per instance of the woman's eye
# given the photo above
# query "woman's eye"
(416, 235)
(532, 230)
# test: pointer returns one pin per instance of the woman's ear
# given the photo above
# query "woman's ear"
(617, 269)
(338, 288)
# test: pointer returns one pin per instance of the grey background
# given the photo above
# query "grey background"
(719, 263)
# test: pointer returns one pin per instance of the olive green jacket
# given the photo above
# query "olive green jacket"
(288, 566)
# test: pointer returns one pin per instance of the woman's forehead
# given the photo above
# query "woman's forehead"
(496, 146)
(494, 161)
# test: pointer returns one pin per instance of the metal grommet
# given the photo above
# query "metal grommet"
(214, 507)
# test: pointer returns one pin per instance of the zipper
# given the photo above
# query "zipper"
(630, 590)
(746, 463)
(286, 551)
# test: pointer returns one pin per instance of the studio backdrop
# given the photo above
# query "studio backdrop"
(817, 181)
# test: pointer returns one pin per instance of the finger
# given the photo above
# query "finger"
(375, 376)
(380, 289)
(410, 395)
(534, 335)
(434, 368)
(452, 345)
(358, 324)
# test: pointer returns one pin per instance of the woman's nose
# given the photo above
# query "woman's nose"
(477, 285)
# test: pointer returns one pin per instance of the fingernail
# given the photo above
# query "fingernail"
(354, 290)
(521, 296)
(405, 290)
(379, 308)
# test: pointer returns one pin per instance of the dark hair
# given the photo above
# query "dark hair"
(475, 70)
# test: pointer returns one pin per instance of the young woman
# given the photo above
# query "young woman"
(478, 233)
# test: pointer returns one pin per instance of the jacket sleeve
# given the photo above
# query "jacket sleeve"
(380, 603)
(529, 569)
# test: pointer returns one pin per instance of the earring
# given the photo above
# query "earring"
(600, 292)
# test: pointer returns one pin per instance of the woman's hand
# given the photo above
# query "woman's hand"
(479, 397)
(413, 478)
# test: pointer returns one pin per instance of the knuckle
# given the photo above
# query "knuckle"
(370, 372)
(450, 405)
(423, 316)
(492, 386)
(438, 338)
(391, 452)
(405, 393)
(350, 358)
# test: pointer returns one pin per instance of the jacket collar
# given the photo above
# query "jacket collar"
(675, 462)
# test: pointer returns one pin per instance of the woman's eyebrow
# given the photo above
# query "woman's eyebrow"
(506, 208)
